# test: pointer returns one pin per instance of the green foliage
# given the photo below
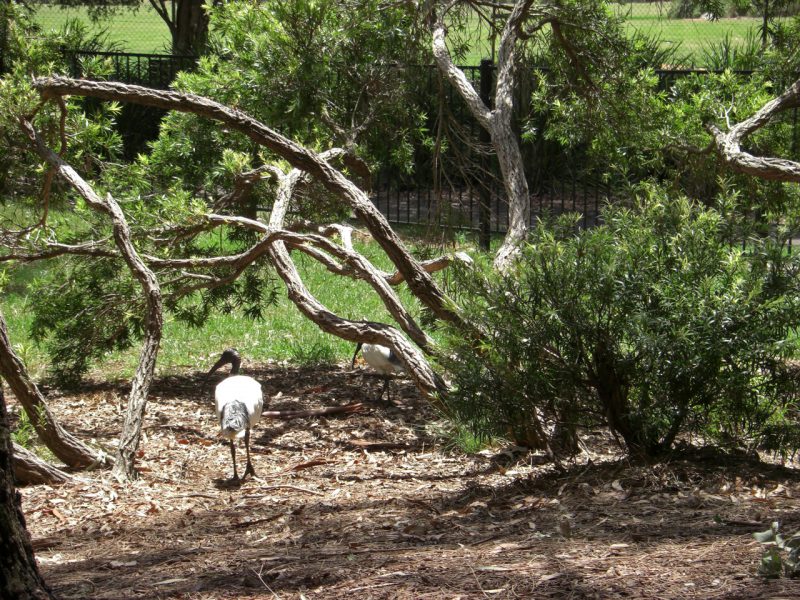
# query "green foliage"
(24, 434)
(313, 70)
(461, 439)
(728, 54)
(83, 310)
(89, 125)
(689, 9)
(780, 554)
(637, 128)
(656, 323)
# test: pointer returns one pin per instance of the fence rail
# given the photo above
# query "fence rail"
(152, 70)
(471, 198)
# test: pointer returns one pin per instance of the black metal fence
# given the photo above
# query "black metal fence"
(464, 193)
(152, 70)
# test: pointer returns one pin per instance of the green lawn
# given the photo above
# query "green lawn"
(134, 31)
(284, 334)
(691, 36)
(144, 31)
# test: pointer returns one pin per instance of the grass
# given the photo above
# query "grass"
(282, 335)
(140, 31)
(144, 31)
(691, 36)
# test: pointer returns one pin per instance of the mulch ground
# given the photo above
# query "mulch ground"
(373, 505)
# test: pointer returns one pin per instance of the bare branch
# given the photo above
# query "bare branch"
(456, 76)
(299, 157)
(497, 121)
(66, 447)
(426, 380)
(29, 469)
(54, 249)
(728, 144)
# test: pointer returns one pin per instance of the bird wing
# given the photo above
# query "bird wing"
(244, 389)
(382, 359)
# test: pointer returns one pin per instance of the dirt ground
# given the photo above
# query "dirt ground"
(372, 505)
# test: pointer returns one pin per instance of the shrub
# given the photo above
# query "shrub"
(654, 324)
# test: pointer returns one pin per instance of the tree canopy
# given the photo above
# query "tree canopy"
(268, 145)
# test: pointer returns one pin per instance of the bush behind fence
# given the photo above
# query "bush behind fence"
(471, 197)
(690, 26)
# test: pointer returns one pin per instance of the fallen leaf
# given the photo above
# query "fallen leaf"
(122, 563)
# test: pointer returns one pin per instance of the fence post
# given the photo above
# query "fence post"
(485, 195)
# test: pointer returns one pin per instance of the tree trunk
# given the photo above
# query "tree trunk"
(29, 469)
(66, 447)
(145, 371)
(497, 122)
(19, 575)
(190, 29)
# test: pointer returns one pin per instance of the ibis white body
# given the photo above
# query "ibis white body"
(382, 359)
(239, 404)
(239, 401)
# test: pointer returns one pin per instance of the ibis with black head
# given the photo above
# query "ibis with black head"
(239, 402)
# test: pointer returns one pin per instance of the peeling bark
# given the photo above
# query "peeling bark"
(145, 370)
(68, 449)
(728, 144)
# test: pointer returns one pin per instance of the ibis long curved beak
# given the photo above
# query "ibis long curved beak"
(220, 363)
(229, 357)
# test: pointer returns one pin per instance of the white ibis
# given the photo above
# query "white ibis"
(382, 359)
(239, 402)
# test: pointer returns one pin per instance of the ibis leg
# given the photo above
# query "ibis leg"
(249, 470)
(233, 458)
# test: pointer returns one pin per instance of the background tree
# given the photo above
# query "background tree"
(581, 36)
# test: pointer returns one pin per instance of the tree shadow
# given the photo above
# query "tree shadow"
(363, 525)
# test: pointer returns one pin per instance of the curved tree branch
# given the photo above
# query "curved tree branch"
(425, 378)
(67, 448)
(29, 469)
(145, 371)
(299, 157)
(728, 144)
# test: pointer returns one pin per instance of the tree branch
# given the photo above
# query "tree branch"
(55, 249)
(29, 469)
(145, 371)
(456, 76)
(66, 447)
(728, 145)
(299, 157)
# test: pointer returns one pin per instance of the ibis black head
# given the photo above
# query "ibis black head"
(229, 357)
(358, 348)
